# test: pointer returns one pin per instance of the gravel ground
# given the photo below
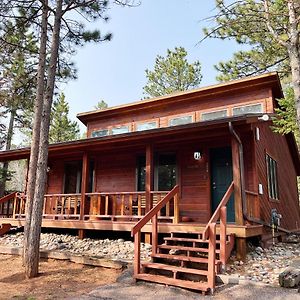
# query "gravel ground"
(118, 249)
(264, 265)
(127, 289)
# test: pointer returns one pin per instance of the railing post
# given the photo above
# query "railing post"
(176, 209)
(137, 252)
(211, 276)
(154, 235)
(223, 225)
(15, 206)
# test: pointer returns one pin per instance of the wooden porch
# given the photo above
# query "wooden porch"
(110, 212)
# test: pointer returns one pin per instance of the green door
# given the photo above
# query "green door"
(221, 178)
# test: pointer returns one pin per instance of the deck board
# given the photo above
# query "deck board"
(240, 231)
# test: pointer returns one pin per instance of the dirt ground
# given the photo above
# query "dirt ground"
(57, 279)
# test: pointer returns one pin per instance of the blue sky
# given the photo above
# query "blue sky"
(115, 70)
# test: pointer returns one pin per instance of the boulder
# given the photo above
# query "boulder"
(290, 277)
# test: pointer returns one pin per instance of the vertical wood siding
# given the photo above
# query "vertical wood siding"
(288, 205)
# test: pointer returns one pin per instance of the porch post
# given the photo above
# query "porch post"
(149, 177)
(237, 182)
(239, 220)
(84, 183)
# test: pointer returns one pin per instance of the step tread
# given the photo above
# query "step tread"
(200, 286)
(181, 257)
(181, 239)
(195, 249)
(166, 267)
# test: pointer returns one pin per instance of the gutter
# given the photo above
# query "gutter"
(242, 173)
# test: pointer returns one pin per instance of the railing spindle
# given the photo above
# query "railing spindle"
(106, 204)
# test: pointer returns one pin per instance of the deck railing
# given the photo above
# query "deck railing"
(209, 234)
(98, 206)
(123, 205)
(153, 215)
(7, 205)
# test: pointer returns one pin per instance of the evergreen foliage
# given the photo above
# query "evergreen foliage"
(286, 120)
(62, 129)
(172, 73)
(101, 105)
(271, 31)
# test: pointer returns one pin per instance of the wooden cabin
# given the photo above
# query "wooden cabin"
(206, 143)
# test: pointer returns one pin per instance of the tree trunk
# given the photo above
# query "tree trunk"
(295, 67)
(36, 133)
(293, 48)
(41, 175)
(10, 132)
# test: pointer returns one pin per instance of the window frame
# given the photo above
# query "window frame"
(211, 112)
(136, 124)
(247, 105)
(272, 177)
(170, 118)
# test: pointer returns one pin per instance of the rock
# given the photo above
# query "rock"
(290, 277)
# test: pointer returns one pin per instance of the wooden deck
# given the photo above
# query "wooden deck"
(108, 225)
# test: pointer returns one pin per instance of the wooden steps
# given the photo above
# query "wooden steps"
(180, 258)
(174, 269)
(184, 248)
(4, 228)
(198, 286)
(187, 266)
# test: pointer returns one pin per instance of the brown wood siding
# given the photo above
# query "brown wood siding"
(195, 185)
(288, 204)
(249, 163)
(192, 107)
(55, 177)
(116, 172)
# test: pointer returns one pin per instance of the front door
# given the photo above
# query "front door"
(221, 178)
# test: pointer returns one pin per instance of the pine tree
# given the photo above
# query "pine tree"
(271, 28)
(62, 129)
(101, 105)
(172, 73)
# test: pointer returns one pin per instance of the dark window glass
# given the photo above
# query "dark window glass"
(141, 173)
(72, 177)
(166, 172)
(272, 177)
(99, 133)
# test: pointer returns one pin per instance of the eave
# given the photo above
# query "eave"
(270, 80)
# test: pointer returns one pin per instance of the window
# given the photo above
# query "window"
(272, 177)
(146, 126)
(180, 120)
(141, 173)
(120, 129)
(99, 133)
(214, 115)
(247, 109)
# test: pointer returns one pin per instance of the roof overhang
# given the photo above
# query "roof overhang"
(147, 136)
(268, 80)
(154, 136)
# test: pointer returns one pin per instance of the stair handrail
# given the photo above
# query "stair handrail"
(217, 214)
(152, 214)
(8, 197)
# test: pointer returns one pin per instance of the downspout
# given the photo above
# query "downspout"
(244, 204)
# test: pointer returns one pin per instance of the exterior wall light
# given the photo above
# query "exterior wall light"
(197, 155)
